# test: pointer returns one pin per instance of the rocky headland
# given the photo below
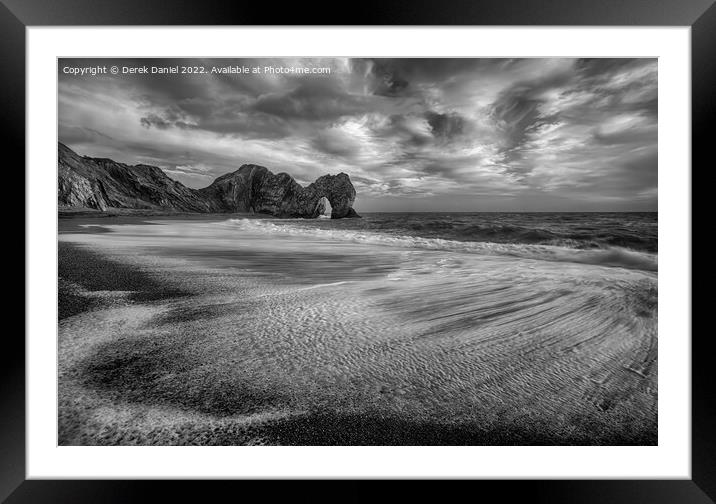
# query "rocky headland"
(104, 185)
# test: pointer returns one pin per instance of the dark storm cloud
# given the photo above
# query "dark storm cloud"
(404, 76)
(156, 121)
(444, 128)
(313, 99)
(518, 111)
(387, 80)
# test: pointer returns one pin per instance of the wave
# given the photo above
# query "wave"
(589, 232)
(609, 256)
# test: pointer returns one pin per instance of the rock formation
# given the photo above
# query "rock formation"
(103, 184)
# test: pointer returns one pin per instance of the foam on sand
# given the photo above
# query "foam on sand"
(324, 337)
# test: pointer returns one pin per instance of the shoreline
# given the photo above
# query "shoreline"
(78, 212)
(156, 351)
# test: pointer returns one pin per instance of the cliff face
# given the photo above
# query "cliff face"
(102, 184)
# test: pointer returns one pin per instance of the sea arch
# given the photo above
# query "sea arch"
(337, 191)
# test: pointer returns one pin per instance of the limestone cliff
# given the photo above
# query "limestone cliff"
(254, 188)
(103, 184)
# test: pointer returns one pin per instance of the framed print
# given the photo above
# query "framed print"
(424, 246)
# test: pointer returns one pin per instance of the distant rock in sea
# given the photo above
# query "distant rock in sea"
(103, 184)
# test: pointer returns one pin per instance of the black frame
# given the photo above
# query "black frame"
(16, 15)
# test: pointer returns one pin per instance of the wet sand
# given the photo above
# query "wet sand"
(188, 332)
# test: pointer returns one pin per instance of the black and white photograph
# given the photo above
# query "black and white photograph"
(357, 251)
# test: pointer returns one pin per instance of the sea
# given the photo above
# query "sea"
(628, 240)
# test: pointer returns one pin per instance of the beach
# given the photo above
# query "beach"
(244, 330)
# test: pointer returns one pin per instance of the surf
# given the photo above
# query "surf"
(618, 257)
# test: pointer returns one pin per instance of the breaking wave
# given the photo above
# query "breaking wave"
(560, 251)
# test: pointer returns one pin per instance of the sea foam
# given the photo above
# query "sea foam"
(611, 256)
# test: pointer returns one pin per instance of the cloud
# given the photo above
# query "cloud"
(315, 99)
(506, 131)
(155, 121)
(445, 126)
(336, 142)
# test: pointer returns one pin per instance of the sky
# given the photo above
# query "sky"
(413, 134)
